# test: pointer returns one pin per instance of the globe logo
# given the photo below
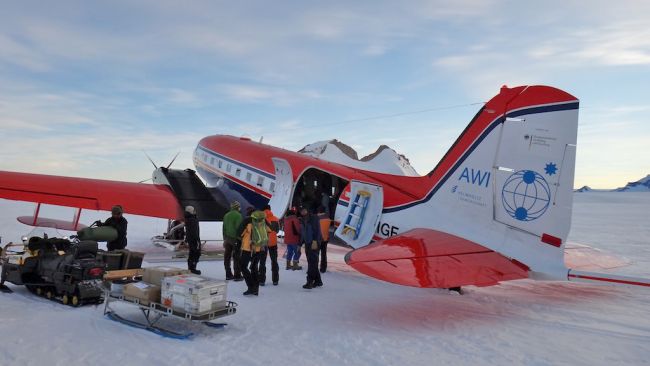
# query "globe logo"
(525, 195)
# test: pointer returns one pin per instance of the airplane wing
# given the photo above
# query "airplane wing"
(95, 194)
(434, 259)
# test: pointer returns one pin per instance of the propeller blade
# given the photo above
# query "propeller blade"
(146, 180)
(148, 157)
(174, 159)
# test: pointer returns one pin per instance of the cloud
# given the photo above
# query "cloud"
(267, 94)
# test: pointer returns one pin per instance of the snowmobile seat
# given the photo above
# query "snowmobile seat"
(86, 249)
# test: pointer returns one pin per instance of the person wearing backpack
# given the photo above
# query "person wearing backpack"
(271, 250)
(310, 236)
(292, 240)
(255, 238)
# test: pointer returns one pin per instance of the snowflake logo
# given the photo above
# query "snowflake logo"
(551, 168)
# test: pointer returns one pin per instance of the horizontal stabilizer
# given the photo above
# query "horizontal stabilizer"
(434, 259)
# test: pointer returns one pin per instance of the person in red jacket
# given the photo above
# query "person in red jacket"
(292, 240)
(271, 250)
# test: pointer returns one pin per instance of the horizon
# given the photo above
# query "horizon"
(85, 88)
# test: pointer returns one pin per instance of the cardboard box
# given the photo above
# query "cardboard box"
(154, 275)
(143, 291)
(193, 294)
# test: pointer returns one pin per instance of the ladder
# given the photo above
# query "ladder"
(360, 200)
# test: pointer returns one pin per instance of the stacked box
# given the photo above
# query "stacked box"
(145, 292)
(154, 275)
(193, 294)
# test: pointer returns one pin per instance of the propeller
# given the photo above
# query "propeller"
(151, 160)
(173, 160)
(155, 166)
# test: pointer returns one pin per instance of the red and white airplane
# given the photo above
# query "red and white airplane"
(497, 207)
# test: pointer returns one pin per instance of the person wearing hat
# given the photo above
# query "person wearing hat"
(192, 237)
(119, 223)
(231, 242)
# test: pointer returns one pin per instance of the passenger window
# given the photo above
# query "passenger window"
(272, 187)
(260, 181)
(228, 168)
(237, 172)
(220, 164)
(211, 161)
(248, 177)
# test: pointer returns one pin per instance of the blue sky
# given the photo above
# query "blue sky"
(85, 87)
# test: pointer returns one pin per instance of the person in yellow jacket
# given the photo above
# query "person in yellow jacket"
(254, 238)
(271, 250)
(325, 224)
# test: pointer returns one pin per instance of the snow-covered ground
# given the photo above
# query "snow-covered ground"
(355, 320)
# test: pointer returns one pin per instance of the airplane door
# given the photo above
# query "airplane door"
(281, 197)
(359, 221)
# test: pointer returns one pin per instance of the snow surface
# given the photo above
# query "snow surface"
(356, 320)
(386, 161)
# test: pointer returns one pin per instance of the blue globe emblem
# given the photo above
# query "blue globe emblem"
(526, 195)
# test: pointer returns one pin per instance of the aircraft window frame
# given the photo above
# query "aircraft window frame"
(220, 164)
(260, 181)
(228, 168)
(237, 172)
(211, 161)
(272, 187)
(249, 176)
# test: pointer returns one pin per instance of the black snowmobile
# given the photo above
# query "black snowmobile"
(57, 269)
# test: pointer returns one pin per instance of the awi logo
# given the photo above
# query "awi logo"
(526, 195)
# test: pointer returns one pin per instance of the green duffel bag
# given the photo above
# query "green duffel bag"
(101, 233)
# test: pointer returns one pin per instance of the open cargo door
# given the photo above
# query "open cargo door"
(281, 197)
(362, 215)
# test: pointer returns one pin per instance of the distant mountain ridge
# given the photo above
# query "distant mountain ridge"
(383, 160)
(641, 185)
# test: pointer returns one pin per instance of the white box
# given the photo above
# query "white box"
(193, 294)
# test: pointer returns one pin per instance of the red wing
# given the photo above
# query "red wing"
(434, 259)
(136, 198)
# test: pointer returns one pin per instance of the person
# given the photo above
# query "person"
(119, 223)
(193, 239)
(271, 249)
(325, 224)
(292, 239)
(231, 243)
(325, 202)
(254, 237)
(310, 236)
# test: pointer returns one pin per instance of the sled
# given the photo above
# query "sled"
(154, 312)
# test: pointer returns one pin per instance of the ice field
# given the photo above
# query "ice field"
(356, 320)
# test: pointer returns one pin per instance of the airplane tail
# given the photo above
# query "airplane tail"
(512, 171)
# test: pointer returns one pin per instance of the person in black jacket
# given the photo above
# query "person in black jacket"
(119, 223)
(192, 237)
(311, 237)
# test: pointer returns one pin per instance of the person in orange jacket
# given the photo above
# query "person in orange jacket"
(271, 250)
(325, 224)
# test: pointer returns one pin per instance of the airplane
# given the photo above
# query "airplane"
(497, 207)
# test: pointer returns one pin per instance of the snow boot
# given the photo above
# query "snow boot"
(238, 279)
(318, 283)
(289, 266)
(275, 283)
(296, 267)
(308, 286)
(195, 271)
